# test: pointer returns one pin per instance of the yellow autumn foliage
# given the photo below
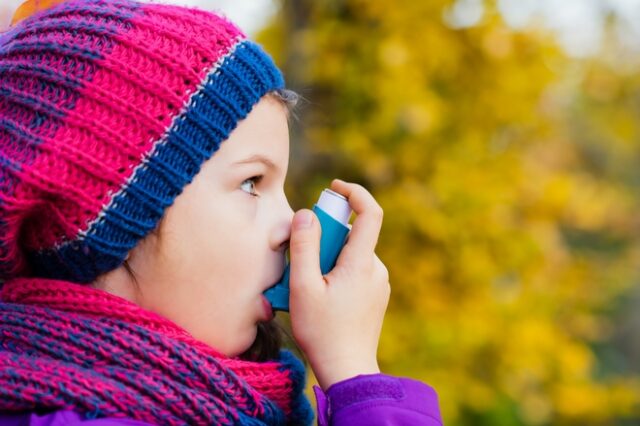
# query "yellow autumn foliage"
(508, 173)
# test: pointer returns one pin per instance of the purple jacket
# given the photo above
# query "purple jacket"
(375, 399)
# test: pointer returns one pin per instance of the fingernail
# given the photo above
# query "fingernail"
(303, 219)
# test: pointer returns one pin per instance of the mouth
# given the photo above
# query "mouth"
(268, 313)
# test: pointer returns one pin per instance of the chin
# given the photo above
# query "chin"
(266, 343)
(242, 343)
(232, 342)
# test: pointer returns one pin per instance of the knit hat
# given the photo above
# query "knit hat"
(108, 108)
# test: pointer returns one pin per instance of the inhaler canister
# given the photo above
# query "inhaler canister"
(333, 212)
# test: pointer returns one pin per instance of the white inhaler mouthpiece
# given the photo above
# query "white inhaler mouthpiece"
(335, 205)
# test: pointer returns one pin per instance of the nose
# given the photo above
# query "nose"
(282, 230)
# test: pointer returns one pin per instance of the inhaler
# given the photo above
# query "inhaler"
(333, 211)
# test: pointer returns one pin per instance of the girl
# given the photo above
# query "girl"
(143, 154)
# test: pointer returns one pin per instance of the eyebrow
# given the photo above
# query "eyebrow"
(257, 158)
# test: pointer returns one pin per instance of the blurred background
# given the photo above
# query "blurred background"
(502, 138)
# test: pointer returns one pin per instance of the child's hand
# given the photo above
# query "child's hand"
(337, 319)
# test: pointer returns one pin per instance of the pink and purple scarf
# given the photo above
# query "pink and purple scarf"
(66, 346)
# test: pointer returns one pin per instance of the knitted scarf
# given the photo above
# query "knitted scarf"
(66, 346)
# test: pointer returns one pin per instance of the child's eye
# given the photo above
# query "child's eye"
(249, 185)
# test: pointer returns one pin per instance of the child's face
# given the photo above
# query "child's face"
(222, 243)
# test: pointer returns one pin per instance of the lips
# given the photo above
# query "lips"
(268, 311)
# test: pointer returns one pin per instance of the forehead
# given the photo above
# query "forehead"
(263, 133)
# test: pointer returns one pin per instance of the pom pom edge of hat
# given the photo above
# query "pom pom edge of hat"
(234, 82)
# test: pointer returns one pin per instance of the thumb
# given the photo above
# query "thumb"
(304, 248)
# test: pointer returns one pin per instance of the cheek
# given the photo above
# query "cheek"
(213, 239)
(215, 244)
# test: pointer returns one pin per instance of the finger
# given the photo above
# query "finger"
(366, 226)
(304, 248)
(381, 269)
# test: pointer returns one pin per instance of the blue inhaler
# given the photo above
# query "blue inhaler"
(333, 211)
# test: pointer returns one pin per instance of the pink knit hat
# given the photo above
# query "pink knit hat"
(107, 110)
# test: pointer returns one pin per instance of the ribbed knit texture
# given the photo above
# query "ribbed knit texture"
(108, 108)
(63, 346)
